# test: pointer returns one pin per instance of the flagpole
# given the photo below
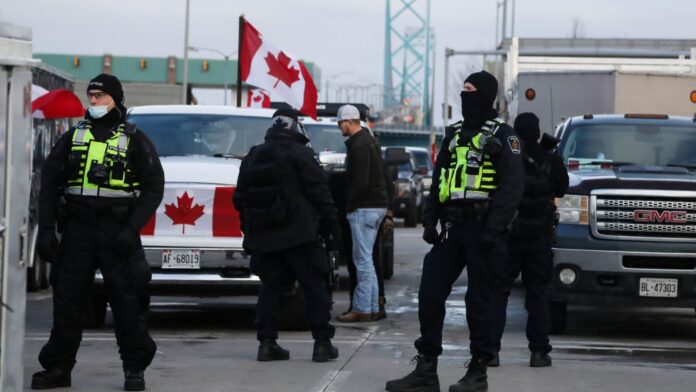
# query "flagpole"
(239, 57)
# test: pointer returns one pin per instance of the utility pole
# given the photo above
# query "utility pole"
(184, 93)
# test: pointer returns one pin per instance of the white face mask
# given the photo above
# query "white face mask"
(98, 111)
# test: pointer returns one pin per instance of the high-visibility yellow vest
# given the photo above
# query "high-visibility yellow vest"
(471, 174)
(85, 152)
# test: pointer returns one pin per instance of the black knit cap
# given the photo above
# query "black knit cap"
(486, 84)
(286, 119)
(527, 126)
(108, 84)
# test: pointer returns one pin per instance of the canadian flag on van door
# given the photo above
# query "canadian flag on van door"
(282, 75)
(195, 211)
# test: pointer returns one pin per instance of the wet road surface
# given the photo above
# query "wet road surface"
(209, 345)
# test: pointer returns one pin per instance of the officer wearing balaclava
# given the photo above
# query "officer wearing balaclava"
(532, 235)
(110, 178)
(477, 184)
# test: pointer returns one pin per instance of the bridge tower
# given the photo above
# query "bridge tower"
(409, 47)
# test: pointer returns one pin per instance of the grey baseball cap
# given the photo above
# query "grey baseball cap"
(348, 112)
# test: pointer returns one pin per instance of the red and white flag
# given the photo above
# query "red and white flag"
(283, 76)
(258, 98)
(55, 103)
(195, 211)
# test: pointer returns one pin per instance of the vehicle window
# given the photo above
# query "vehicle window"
(325, 138)
(202, 134)
(422, 160)
(406, 167)
(650, 144)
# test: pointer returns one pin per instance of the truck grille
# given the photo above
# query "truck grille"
(644, 215)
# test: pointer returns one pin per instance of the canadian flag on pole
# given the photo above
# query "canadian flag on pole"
(283, 76)
(258, 98)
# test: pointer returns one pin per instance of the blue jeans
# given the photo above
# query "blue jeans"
(364, 224)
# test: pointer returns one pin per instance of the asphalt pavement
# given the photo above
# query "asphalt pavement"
(210, 345)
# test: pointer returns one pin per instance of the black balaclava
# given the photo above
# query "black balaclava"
(477, 106)
(112, 86)
(527, 127)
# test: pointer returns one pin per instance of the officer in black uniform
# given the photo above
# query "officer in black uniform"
(477, 185)
(284, 203)
(108, 181)
(531, 237)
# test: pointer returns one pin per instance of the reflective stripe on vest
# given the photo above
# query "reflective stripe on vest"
(471, 174)
(113, 153)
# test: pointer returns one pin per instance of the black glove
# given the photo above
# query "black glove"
(493, 146)
(47, 245)
(127, 241)
(430, 234)
(332, 234)
(493, 239)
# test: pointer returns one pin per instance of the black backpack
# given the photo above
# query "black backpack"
(269, 199)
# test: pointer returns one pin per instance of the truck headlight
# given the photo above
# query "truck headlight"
(573, 209)
(403, 188)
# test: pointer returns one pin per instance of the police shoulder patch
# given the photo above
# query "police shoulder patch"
(515, 145)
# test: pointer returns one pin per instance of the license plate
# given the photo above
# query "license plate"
(653, 287)
(181, 258)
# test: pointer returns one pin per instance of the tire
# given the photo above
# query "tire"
(558, 314)
(95, 312)
(37, 275)
(293, 314)
(411, 218)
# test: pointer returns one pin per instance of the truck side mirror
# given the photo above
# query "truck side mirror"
(394, 156)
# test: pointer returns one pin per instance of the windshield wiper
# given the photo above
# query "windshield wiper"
(219, 155)
(608, 163)
(685, 165)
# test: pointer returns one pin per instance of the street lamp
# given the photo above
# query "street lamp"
(227, 58)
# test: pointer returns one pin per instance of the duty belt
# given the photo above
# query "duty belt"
(93, 213)
(458, 213)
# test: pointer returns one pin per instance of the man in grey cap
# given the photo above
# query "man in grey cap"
(366, 204)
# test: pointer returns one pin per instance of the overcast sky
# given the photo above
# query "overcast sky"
(341, 36)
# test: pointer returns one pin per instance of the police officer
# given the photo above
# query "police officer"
(531, 237)
(478, 183)
(110, 178)
(284, 203)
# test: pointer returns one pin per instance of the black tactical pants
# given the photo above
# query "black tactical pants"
(86, 246)
(533, 258)
(308, 264)
(484, 295)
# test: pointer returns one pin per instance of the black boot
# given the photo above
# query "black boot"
(324, 351)
(269, 350)
(475, 379)
(51, 378)
(539, 359)
(134, 380)
(423, 379)
(495, 361)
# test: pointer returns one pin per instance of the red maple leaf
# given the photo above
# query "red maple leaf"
(183, 214)
(280, 68)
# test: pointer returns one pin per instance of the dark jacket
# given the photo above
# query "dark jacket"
(510, 176)
(307, 185)
(142, 158)
(365, 175)
(545, 178)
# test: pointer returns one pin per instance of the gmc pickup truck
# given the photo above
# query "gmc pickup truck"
(627, 225)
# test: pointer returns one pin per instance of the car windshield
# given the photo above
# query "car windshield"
(325, 138)
(648, 143)
(202, 134)
(422, 160)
